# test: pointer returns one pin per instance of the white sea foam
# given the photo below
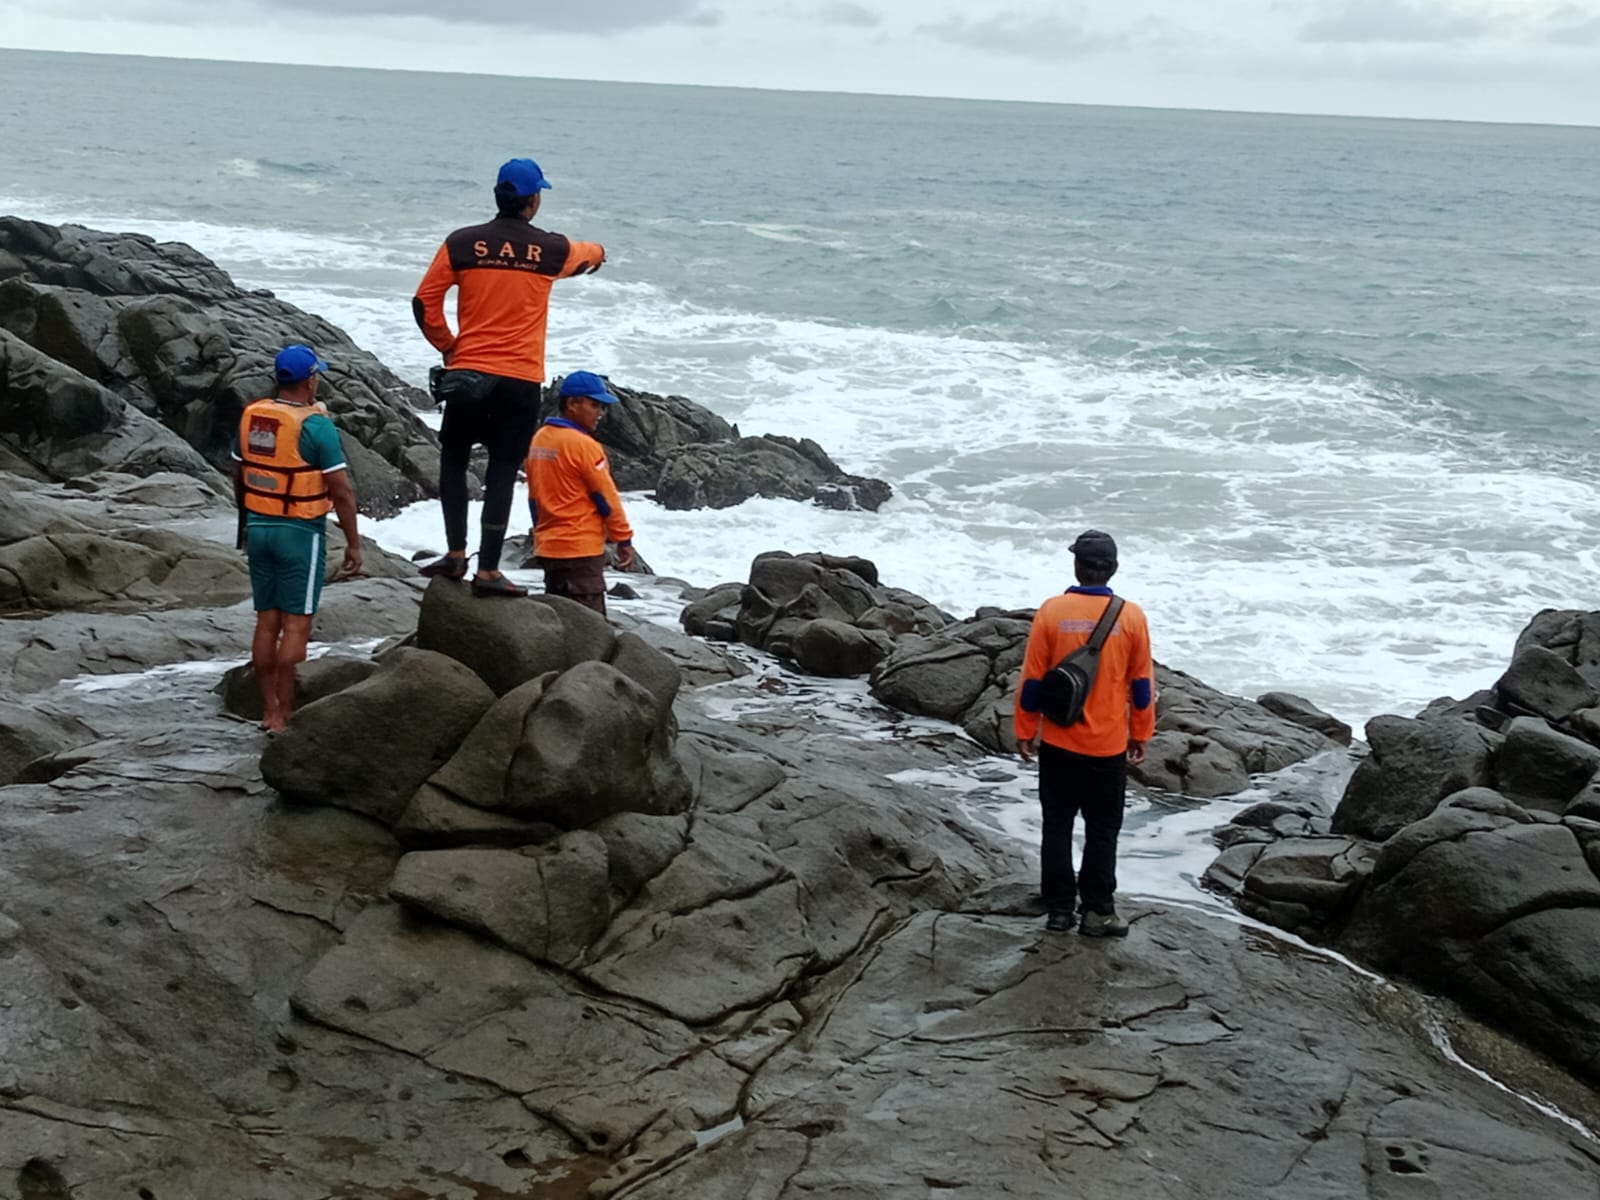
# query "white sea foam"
(1316, 536)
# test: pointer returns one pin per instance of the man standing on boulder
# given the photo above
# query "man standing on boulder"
(1083, 766)
(289, 472)
(573, 499)
(502, 271)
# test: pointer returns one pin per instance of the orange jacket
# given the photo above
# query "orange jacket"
(503, 270)
(1122, 704)
(275, 479)
(576, 506)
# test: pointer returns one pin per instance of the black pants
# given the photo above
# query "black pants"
(1070, 784)
(502, 422)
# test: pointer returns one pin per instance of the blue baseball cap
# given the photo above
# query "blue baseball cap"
(587, 383)
(296, 363)
(524, 175)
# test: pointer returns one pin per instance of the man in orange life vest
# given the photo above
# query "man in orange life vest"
(1083, 767)
(573, 499)
(289, 472)
(502, 270)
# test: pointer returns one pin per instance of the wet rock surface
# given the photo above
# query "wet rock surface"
(1464, 850)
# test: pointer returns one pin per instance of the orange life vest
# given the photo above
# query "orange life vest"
(278, 482)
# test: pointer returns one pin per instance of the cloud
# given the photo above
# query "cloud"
(858, 16)
(1046, 37)
(1394, 21)
(1570, 25)
(550, 16)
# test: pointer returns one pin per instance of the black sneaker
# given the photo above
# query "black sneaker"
(1102, 925)
(445, 568)
(1058, 921)
(497, 585)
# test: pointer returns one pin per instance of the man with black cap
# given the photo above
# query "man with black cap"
(1083, 766)
(490, 390)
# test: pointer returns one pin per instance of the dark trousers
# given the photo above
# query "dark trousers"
(502, 422)
(580, 579)
(1070, 784)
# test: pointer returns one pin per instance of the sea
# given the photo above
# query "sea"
(1333, 384)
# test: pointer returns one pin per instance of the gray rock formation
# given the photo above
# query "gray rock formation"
(1471, 849)
(166, 331)
(723, 474)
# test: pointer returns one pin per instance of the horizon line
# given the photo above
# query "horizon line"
(797, 91)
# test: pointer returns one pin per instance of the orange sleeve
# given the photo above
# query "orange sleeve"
(597, 478)
(1036, 661)
(583, 258)
(428, 304)
(1142, 722)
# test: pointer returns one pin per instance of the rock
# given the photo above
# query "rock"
(548, 904)
(510, 642)
(1466, 901)
(1316, 877)
(1413, 766)
(478, 772)
(834, 648)
(147, 569)
(721, 601)
(642, 431)
(722, 474)
(172, 336)
(1572, 635)
(1302, 712)
(1543, 768)
(60, 425)
(698, 664)
(940, 678)
(316, 678)
(1208, 743)
(594, 744)
(29, 732)
(1542, 683)
(369, 747)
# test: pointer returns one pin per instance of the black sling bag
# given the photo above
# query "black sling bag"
(1066, 686)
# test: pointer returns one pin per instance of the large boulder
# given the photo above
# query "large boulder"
(150, 568)
(509, 642)
(57, 424)
(163, 328)
(369, 747)
(596, 743)
(1541, 767)
(1497, 907)
(1412, 766)
(1542, 683)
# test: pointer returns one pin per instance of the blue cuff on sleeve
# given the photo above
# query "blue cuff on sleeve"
(1143, 693)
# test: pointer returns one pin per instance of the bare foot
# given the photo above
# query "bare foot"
(273, 723)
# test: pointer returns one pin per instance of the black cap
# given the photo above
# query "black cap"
(1094, 546)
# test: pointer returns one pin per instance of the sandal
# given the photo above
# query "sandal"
(445, 568)
(497, 585)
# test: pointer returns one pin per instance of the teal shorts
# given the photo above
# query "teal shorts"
(286, 566)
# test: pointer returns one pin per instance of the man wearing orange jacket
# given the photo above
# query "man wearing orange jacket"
(502, 270)
(1083, 767)
(572, 497)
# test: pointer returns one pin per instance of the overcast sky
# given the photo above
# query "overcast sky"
(1507, 60)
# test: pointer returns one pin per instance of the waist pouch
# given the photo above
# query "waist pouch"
(460, 387)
